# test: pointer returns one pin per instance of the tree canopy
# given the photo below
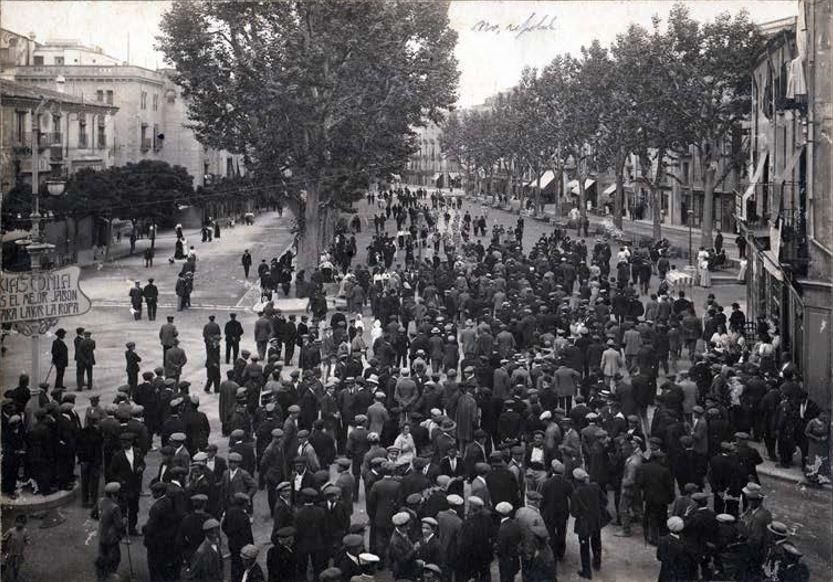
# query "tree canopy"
(653, 96)
(320, 97)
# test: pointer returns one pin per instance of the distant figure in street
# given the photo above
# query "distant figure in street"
(136, 297)
(246, 261)
(148, 255)
(175, 360)
(151, 294)
(85, 355)
(167, 335)
(718, 241)
(132, 360)
(233, 332)
(740, 242)
(182, 292)
(60, 357)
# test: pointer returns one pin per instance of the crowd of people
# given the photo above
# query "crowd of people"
(499, 392)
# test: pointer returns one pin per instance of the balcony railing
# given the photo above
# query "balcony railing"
(146, 143)
(45, 139)
(794, 251)
(51, 139)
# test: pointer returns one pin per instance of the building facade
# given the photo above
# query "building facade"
(429, 167)
(65, 141)
(152, 118)
(785, 211)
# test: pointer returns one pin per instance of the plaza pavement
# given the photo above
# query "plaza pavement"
(70, 548)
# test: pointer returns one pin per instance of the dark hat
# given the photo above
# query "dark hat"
(285, 532)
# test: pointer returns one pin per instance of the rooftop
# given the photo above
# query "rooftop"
(12, 91)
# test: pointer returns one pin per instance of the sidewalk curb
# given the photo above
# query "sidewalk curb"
(794, 479)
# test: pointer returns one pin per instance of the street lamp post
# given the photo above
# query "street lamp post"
(690, 218)
(36, 247)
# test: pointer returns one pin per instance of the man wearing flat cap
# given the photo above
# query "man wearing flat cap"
(190, 534)
(382, 502)
(236, 480)
(282, 558)
(110, 531)
(238, 529)
(311, 534)
(676, 557)
(207, 563)
(160, 535)
(127, 468)
(587, 506)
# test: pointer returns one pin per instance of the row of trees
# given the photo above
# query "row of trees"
(147, 190)
(319, 97)
(653, 94)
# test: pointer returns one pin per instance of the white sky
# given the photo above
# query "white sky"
(489, 62)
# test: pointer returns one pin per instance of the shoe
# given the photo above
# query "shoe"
(585, 575)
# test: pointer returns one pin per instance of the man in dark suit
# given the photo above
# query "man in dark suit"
(337, 520)
(283, 514)
(453, 466)
(700, 532)
(654, 479)
(555, 508)
(382, 502)
(310, 533)
(675, 555)
(207, 563)
(151, 295)
(476, 452)
(348, 559)
(282, 559)
(236, 480)
(110, 532)
(416, 481)
(85, 358)
(587, 504)
(215, 464)
(502, 484)
(509, 540)
(76, 341)
(126, 468)
(160, 533)
(60, 357)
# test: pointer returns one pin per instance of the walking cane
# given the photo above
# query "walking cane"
(127, 542)
(49, 373)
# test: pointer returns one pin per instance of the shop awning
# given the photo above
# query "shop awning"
(16, 234)
(572, 185)
(454, 175)
(750, 190)
(609, 190)
(546, 178)
(436, 176)
(770, 263)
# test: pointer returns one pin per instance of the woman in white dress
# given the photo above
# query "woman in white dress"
(703, 268)
(405, 443)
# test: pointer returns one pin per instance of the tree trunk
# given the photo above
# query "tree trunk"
(618, 201)
(707, 222)
(537, 191)
(310, 242)
(656, 195)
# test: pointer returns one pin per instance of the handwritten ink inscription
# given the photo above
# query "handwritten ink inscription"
(533, 23)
